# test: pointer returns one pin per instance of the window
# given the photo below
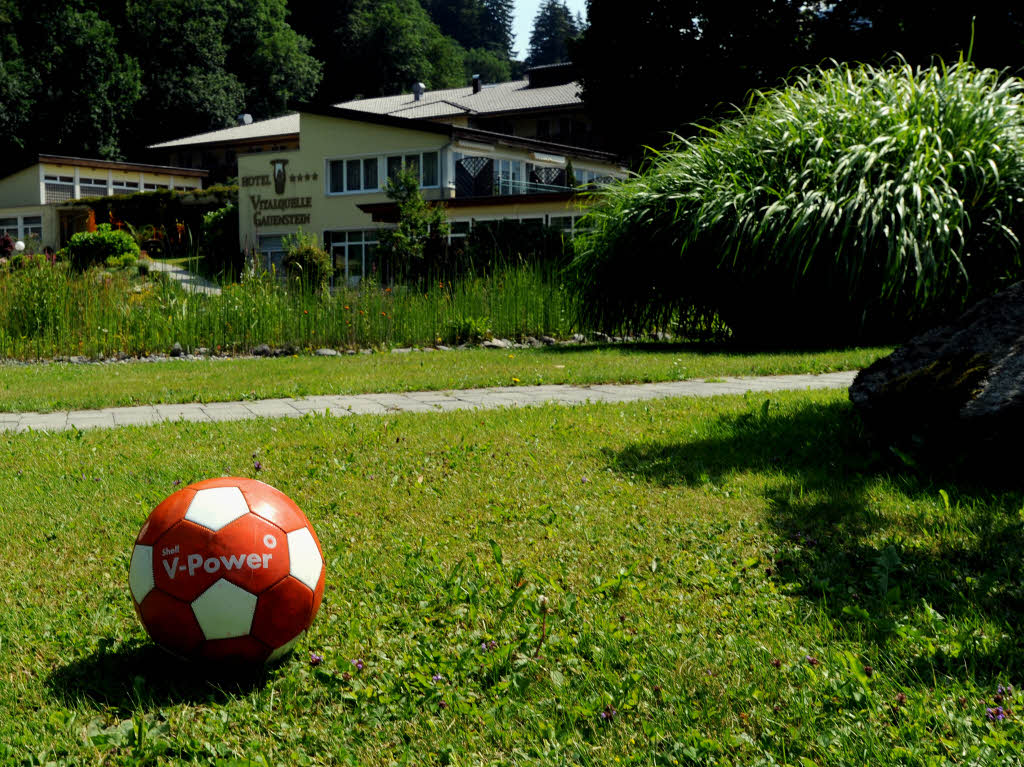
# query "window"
(272, 252)
(58, 188)
(92, 187)
(424, 163)
(32, 225)
(508, 177)
(353, 255)
(152, 187)
(357, 175)
(458, 230)
(22, 227)
(592, 178)
(429, 175)
(394, 166)
(125, 186)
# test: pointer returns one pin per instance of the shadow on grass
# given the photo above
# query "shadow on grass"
(140, 673)
(869, 543)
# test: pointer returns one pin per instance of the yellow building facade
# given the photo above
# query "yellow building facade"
(332, 185)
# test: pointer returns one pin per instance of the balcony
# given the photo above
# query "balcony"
(489, 177)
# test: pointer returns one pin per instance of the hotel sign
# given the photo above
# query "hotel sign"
(271, 211)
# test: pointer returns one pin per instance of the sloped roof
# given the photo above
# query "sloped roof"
(516, 96)
(275, 126)
(499, 98)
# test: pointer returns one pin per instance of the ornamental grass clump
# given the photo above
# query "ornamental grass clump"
(857, 204)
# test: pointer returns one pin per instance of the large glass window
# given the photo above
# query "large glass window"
(354, 255)
(508, 177)
(9, 226)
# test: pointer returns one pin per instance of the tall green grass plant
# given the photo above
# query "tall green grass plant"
(857, 204)
(48, 311)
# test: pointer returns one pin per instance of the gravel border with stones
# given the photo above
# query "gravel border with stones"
(177, 353)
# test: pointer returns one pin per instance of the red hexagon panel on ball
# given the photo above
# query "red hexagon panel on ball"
(227, 570)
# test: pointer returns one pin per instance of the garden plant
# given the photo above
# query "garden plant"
(859, 203)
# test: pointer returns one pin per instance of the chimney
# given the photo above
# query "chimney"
(477, 85)
(417, 91)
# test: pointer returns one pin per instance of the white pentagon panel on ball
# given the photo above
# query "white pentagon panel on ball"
(140, 573)
(284, 649)
(224, 610)
(304, 557)
(217, 506)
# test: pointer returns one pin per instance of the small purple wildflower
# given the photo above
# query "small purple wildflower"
(257, 466)
(436, 678)
(490, 646)
(995, 714)
(358, 663)
(585, 480)
(177, 482)
(811, 660)
(315, 659)
(441, 704)
(609, 713)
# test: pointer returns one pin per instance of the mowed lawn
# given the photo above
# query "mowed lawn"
(46, 387)
(733, 581)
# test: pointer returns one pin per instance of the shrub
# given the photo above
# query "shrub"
(858, 204)
(418, 244)
(306, 261)
(89, 248)
(499, 243)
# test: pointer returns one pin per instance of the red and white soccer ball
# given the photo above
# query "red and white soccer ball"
(227, 570)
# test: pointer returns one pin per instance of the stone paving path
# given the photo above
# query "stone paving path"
(191, 282)
(419, 402)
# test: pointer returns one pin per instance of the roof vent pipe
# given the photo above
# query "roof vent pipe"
(477, 85)
(418, 89)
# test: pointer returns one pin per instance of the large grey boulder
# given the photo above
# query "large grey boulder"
(955, 394)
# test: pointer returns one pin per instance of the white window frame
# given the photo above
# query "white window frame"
(382, 170)
(329, 247)
(345, 159)
(20, 231)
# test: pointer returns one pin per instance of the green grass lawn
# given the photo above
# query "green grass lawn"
(45, 387)
(734, 581)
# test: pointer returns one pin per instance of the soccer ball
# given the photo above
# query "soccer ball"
(227, 570)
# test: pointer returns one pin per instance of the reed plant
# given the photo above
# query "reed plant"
(47, 311)
(857, 204)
